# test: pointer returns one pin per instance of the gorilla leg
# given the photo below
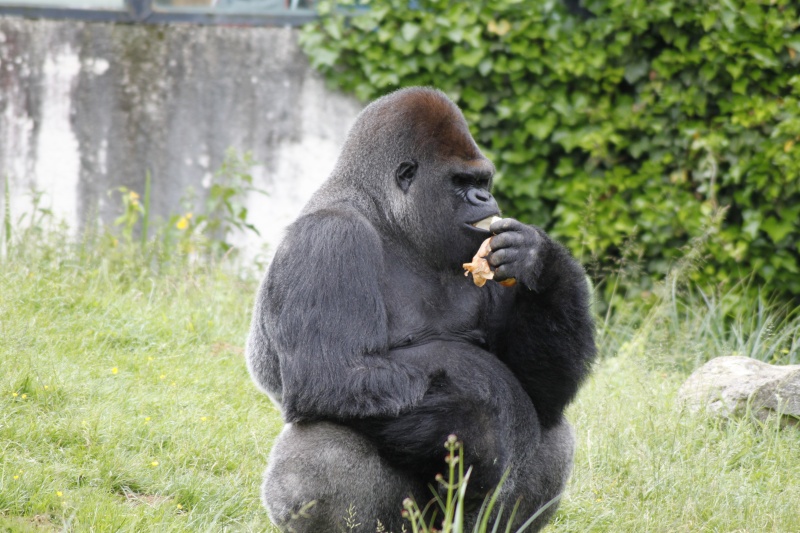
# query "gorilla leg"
(325, 477)
(538, 475)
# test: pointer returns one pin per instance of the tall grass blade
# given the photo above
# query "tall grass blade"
(513, 515)
(488, 507)
(6, 214)
(146, 207)
(458, 519)
(536, 515)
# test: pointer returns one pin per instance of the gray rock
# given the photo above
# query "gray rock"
(729, 386)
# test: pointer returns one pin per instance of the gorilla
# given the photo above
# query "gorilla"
(375, 346)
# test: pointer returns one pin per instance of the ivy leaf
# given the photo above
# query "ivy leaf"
(636, 71)
(333, 28)
(409, 31)
(468, 58)
(764, 55)
(708, 20)
(777, 229)
(456, 35)
(485, 66)
(324, 57)
(540, 127)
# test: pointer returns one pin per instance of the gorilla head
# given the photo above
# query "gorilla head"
(424, 168)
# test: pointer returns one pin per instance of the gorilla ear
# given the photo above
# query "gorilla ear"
(405, 174)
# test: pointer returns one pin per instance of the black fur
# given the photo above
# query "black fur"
(367, 321)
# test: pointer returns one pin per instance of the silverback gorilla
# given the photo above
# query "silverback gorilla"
(376, 347)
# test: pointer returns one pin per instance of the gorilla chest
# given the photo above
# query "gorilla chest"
(421, 309)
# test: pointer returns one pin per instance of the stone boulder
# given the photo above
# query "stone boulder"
(728, 386)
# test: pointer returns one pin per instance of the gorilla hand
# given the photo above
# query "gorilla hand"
(520, 251)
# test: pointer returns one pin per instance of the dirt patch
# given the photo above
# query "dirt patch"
(137, 498)
(226, 348)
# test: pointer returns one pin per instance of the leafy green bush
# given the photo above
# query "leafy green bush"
(622, 133)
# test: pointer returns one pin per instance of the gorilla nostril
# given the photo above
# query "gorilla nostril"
(476, 196)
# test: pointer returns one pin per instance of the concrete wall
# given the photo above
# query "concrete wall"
(88, 107)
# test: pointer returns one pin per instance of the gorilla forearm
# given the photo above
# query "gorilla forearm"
(471, 396)
(378, 387)
(545, 332)
(414, 439)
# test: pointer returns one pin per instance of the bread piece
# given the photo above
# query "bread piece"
(480, 269)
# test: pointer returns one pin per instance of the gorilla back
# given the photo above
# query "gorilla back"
(376, 347)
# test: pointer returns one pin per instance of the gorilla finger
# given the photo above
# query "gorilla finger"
(499, 257)
(503, 272)
(507, 240)
(505, 224)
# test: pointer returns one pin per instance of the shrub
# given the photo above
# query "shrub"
(620, 133)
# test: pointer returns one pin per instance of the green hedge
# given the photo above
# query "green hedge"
(621, 133)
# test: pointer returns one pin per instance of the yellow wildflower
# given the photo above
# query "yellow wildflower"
(134, 198)
(182, 223)
(162, 376)
(14, 394)
(115, 370)
(179, 506)
(59, 493)
(203, 418)
(147, 420)
(24, 396)
(16, 477)
(154, 463)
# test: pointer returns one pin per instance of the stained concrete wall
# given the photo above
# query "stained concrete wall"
(88, 107)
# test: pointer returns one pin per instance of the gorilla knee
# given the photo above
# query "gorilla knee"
(323, 475)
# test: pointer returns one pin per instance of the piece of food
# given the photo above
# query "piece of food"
(481, 271)
(486, 222)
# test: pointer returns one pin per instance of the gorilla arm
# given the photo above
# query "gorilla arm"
(542, 328)
(325, 321)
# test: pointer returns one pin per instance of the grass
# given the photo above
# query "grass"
(125, 405)
(644, 465)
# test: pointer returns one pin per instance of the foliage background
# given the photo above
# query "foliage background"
(621, 133)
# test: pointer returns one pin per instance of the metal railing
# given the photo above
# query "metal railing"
(293, 13)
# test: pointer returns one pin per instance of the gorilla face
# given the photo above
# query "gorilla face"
(448, 198)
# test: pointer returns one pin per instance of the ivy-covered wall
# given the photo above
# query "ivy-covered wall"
(620, 133)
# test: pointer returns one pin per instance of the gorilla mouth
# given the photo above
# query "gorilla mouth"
(485, 223)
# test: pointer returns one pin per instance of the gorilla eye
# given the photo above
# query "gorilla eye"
(468, 181)
(463, 181)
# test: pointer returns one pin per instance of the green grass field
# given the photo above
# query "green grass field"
(125, 405)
